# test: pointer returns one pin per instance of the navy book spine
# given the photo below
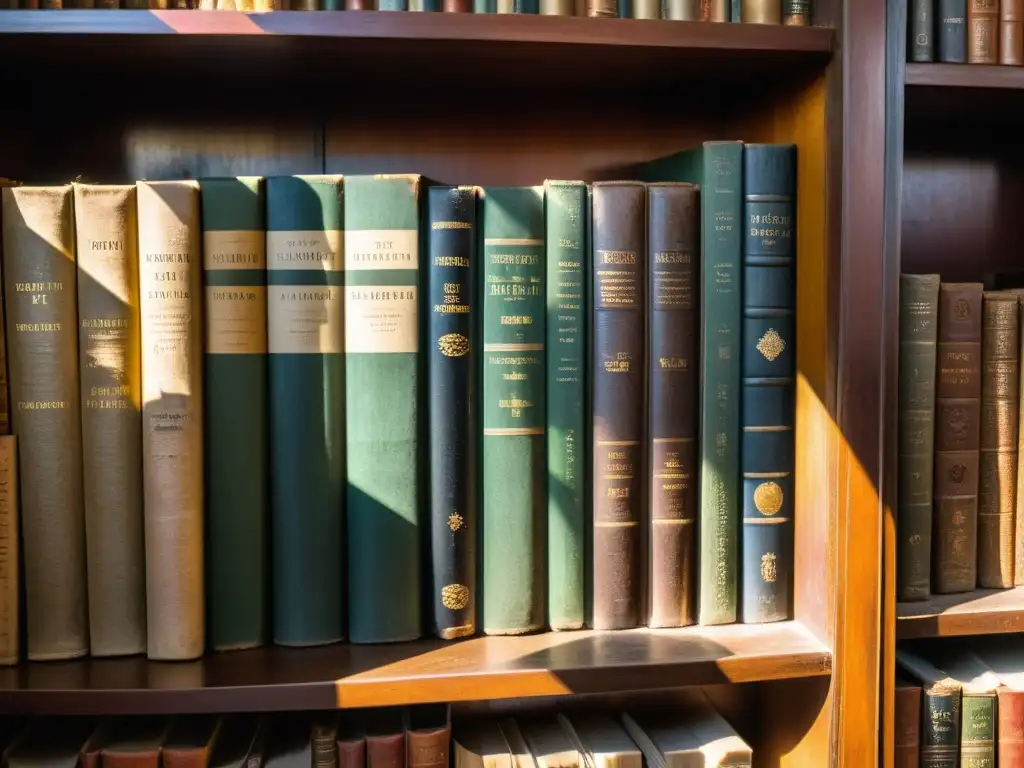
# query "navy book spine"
(952, 43)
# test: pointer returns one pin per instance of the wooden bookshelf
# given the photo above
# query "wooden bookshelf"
(965, 76)
(982, 612)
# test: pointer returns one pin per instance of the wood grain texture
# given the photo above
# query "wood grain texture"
(982, 612)
(959, 76)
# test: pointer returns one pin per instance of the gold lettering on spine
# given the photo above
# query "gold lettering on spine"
(236, 319)
(305, 319)
(314, 250)
(234, 250)
(384, 318)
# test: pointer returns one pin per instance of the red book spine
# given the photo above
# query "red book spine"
(1010, 732)
(908, 726)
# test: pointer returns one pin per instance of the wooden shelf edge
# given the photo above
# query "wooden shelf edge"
(982, 612)
(965, 76)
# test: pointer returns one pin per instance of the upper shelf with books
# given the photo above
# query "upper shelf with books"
(982, 612)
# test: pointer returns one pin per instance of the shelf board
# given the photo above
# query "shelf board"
(482, 668)
(965, 76)
(982, 612)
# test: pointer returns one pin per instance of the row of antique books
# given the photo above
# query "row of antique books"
(960, 703)
(966, 31)
(690, 732)
(959, 525)
(477, 407)
(789, 12)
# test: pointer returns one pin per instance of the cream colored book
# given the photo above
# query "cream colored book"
(721, 746)
(549, 742)
(519, 750)
(480, 744)
(601, 741)
(664, 739)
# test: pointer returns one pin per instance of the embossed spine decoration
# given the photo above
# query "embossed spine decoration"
(306, 368)
(919, 320)
(769, 370)
(111, 400)
(39, 284)
(673, 227)
(235, 378)
(762, 11)
(957, 419)
(618, 351)
(1011, 32)
(10, 551)
(566, 224)
(382, 361)
(922, 36)
(978, 729)
(982, 31)
(172, 416)
(514, 458)
(952, 23)
(796, 13)
(940, 710)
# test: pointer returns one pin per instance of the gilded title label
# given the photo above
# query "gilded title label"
(305, 319)
(316, 250)
(381, 249)
(236, 319)
(381, 319)
(234, 249)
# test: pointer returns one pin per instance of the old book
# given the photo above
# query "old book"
(716, 10)
(306, 372)
(556, 7)
(919, 320)
(190, 741)
(907, 729)
(235, 400)
(797, 13)
(1011, 32)
(514, 454)
(718, 742)
(1018, 535)
(681, 10)
(762, 11)
(480, 744)
(10, 550)
(673, 245)
(608, 9)
(957, 436)
(452, 359)
(519, 751)
(49, 742)
(385, 737)
(601, 741)
(567, 209)
(111, 398)
(982, 31)
(548, 741)
(664, 739)
(645, 9)
(940, 712)
(978, 684)
(428, 736)
(323, 740)
(239, 742)
(921, 25)
(39, 283)
(382, 361)
(951, 45)
(135, 741)
(351, 741)
(170, 272)
(1002, 654)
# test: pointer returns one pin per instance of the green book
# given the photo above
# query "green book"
(514, 455)
(236, 430)
(306, 367)
(717, 168)
(382, 363)
(566, 236)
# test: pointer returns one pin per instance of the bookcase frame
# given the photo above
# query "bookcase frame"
(112, 96)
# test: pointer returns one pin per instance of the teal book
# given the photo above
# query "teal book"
(736, 11)
(717, 168)
(382, 385)
(566, 238)
(306, 374)
(514, 456)
(236, 428)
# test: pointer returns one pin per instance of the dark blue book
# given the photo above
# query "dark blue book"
(952, 43)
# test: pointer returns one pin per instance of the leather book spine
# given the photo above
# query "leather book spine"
(982, 31)
(919, 317)
(352, 753)
(922, 30)
(907, 739)
(428, 747)
(681, 10)
(952, 31)
(940, 727)
(1018, 534)
(385, 750)
(457, 6)
(452, 360)
(673, 244)
(997, 469)
(645, 9)
(383, 395)
(323, 741)
(557, 7)
(10, 550)
(978, 730)
(111, 393)
(514, 461)
(769, 381)
(137, 741)
(567, 257)
(306, 372)
(190, 741)
(718, 10)
(235, 379)
(606, 9)
(618, 350)
(762, 11)
(796, 13)
(1011, 32)
(170, 257)
(1010, 729)
(359, 5)
(957, 439)
(39, 280)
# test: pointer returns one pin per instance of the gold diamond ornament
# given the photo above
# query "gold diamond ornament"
(771, 345)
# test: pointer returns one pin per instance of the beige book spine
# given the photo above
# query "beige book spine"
(10, 626)
(646, 9)
(170, 260)
(39, 282)
(1018, 532)
(108, 342)
(682, 10)
(762, 11)
(557, 8)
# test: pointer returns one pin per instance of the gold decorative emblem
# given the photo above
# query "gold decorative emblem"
(455, 597)
(961, 309)
(771, 345)
(455, 521)
(768, 571)
(453, 345)
(768, 498)
(957, 473)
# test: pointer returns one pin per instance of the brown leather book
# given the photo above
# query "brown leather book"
(239, 742)
(908, 724)
(673, 235)
(351, 741)
(323, 740)
(39, 284)
(982, 31)
(172, 413)
(190, 741)
(457, 6)
(608, 9)
(359, 5)
(385, 738)
(10, 549)
(957, 438)
(1011, 32)
(762, 11)
(135, 742)
(997, 481)
(619, 346)
(91, 754)
(1010, 729)
(718, 10)
(428, 737)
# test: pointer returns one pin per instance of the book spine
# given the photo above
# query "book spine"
(453, 356)
(982, 31)
(796, 13)
(1011, 32)
(556, 7)
(1018, 534)
(957, 436)
(619, 274)
(457, 6)
(736, 11)
(566, 236)
(514, 457)
(721, 252)
(1010, 729)
(762, 11)
(907, 741)
(306, 374)
(235, 378)
(769, 369)
(172, 416)
(39, 281)
(392, 5)
(922, 30)
(111, 393)
(940, 729)
(645, 9)
(997, 470)
(952, 23)
(919, 316)
(978, 731)
(608, 9)
(681, 10)
(10, 553)
(718, 10)
(382, 361)
(673, 227)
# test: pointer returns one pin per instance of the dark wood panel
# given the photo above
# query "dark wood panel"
(982, 612)
(959, 76)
